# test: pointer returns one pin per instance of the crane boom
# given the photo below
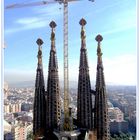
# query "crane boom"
(20, 5)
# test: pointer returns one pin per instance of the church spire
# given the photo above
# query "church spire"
(101, 122)
(84, 100)
(53, 88)
(100, 82)
(39, 114)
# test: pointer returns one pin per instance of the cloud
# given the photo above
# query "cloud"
(121, 69)
(42, 19)
(25, 21)
(28, 24)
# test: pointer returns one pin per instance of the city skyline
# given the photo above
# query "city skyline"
(115, 21)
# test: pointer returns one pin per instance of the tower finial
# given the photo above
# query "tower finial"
(82, 22)
(53, 25)
(99, 38)
(39, 56)
(83, 36)
(39, 42)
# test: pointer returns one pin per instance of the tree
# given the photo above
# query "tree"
(30, 136)
(123, 136)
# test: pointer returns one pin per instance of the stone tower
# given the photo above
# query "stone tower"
(53, 89)
(39, 114)
(84, 100)
(101, 124)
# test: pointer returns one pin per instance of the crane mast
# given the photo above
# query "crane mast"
(66, 124)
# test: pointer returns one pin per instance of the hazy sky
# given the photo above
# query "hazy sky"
(115, 20)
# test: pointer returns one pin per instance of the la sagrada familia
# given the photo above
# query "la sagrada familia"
(92, 116)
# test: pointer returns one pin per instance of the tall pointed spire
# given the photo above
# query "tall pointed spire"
(84, 100)
(39, 114)
(101, 124)
(53, 89)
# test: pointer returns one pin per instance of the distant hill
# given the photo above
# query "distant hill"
(21, 84)
(72, 84)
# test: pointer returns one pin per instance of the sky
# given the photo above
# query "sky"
(114, 20)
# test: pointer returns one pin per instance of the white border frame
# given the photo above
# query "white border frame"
(138, 75)
(1, 67)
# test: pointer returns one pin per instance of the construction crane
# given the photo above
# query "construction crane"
(66, 124)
